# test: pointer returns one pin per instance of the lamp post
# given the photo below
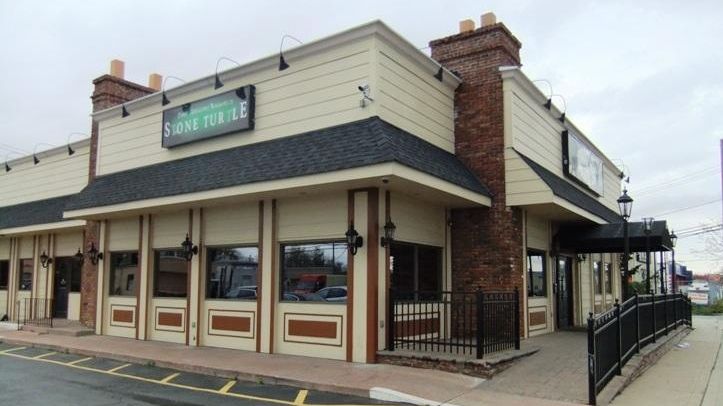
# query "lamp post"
(625, 203)
(673, 273)
(647, 228)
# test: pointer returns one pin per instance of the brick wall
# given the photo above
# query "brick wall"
(486, 242)
(109, 91)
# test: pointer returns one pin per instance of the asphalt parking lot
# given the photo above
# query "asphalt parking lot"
(36, 376)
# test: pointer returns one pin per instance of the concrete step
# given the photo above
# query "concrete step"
(70, 331)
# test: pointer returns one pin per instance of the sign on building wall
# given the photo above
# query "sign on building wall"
(217, 115)
(582, 164)
(698, 297)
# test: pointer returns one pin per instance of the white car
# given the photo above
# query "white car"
(332, 293)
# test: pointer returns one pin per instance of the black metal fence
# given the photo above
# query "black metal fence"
(616, 335)
(463, 323)
(34, 311)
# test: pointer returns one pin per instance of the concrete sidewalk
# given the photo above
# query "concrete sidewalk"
(385, 382)
(690, 374)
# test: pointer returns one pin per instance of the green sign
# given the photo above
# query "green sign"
(216, 115)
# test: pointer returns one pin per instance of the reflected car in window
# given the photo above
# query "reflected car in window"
(241, 292)
(332, 294)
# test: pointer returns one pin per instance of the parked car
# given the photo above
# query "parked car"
(241, 292)
(332, 294)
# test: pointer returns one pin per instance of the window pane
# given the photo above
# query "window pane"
(608, 278)
(67, 272)
(537, 285)
(596, 269)
(429, 266)
(170, 274)
(401, 263)
(314, 272)
(231, 273)
(4, 271)
(25, 282)
(123, 273)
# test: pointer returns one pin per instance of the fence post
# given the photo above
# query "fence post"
(655, 329)
(675, 309)
(17, 313)
(390, 321)
(480, 324)
(52, 302)
(620, 337)
(591, 370)
(517, 318)
(665, 311)
(637, 323)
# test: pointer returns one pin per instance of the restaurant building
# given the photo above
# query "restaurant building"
(253, 208)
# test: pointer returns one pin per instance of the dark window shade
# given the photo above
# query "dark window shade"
(416, 267)
(4, 274)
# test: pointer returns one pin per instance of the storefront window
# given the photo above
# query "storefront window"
(415, 268)
(597, 277)
(231, 273)
(25, 282)
(69, 269)
(314, 272)
(608, 278)
(123, 273)
(536, 274)
(4, 272)
(170, 274)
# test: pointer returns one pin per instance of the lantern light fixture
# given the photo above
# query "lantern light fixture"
(581, 257)
(282, 62)
(673, 238)
(625, 203)
(389, 229)
(648, 223)
(79, 256)
(94, 255)
(353, 240)
(189, 250)
(45, 260)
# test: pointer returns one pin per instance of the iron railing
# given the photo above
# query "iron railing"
(616, 335)
(461, 323)
(34, 311)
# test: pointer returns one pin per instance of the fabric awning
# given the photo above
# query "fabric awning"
(604, 238)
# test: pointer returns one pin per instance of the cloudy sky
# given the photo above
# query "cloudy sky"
(643, 79)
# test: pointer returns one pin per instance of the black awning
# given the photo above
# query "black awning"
(609, 238)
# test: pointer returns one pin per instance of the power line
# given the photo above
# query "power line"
(664, 187)
(718, 228)
(687, 208)
(678, 179)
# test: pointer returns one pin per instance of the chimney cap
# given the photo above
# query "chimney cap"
(487, 19)
(117, 68)
(466, 25)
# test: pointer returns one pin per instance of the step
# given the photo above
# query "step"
(61, 331)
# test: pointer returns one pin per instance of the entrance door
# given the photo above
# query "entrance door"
(564, 292)
(65, 269)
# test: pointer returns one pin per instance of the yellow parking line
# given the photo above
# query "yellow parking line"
(169, 377)
(118, 368)
(228, 386)
(77, 361)
(44, 355)
(301, 397)
(13, 349)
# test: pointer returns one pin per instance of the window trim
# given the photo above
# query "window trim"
(205, 258)
(543, 254)
(20, 274)
(7, 282)
(110, 264)
(282, 244)
(155, 284)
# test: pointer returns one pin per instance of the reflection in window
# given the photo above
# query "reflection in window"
(536, 275)
(597, 276)
(314, 272)
(415, 268)
(4, 273)
(25, 282)
(231, 272)
(123, 271)
(608, 278)
(170, 274)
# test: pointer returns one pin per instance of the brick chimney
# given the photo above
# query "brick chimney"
(486, 242)
(110, 90)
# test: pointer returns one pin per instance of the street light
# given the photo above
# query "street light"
(673, 240)
(647, 228)
(625, 203)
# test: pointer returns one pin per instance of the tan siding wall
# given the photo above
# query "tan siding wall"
(124, 234)
(56, 175)
(534, 132)
(169, 229)
(417, 221)
(231, 224)
(26, 248)
(538, 233)
(4, 248)
(67, 244)
(413, 99)
(318, 91)
(313, 217)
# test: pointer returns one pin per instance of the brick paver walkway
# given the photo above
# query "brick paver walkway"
(558, 371)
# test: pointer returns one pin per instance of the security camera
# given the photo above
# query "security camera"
(365, 91)
(385, 180)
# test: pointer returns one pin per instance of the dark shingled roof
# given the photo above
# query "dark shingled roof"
(352, 145)
(31, 213)
(564, 189)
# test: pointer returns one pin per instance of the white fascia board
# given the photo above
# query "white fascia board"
(39, 228)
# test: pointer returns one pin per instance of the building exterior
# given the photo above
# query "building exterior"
(268, 172)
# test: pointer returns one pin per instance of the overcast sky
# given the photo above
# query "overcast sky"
(643, 79)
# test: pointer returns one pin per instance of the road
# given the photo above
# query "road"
(691, 374)
(37, 376)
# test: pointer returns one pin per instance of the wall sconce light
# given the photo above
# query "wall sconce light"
(564, 103)
(45, 260)
(581, 257)
(389, 230)
(36, 160)
(164, 98)
(218, 83)
(366, 95)
(282, 62)
(125, 112)
(8, 168)
(79, 256)
(71, 151)
(189, 250)
(353, 240)
(439, 74)
(94, 255)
